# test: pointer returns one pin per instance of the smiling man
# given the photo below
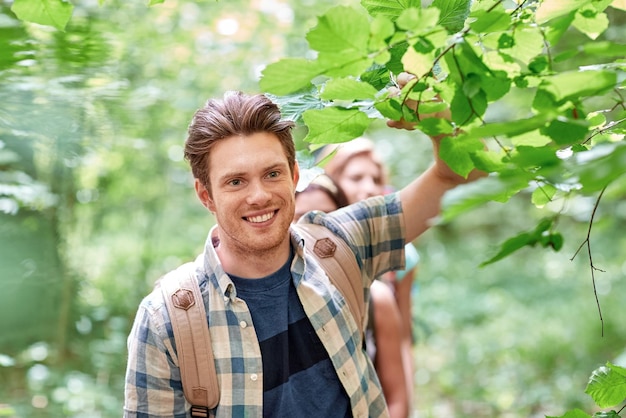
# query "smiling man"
(250, 192)
(284, 341)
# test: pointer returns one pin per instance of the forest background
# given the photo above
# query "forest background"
(96, 203)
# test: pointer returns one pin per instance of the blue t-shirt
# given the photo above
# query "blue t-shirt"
(299, 379)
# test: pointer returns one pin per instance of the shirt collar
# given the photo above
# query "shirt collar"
(213, 265)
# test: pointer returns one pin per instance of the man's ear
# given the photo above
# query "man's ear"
(204, 195)
(296, 173)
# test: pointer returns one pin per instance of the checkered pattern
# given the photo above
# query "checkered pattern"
(373, 229)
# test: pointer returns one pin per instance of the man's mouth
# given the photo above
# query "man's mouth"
(260, 218)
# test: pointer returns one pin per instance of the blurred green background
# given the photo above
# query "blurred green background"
(96, 203)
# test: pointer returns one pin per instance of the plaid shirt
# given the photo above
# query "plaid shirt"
(374, 231)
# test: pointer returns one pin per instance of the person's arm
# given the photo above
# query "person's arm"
(421, 199)
(390, 359)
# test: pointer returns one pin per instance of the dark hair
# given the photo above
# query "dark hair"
(327, 185)
(236, 114)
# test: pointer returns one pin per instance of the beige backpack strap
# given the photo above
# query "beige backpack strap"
(340, 265)
(193, 339)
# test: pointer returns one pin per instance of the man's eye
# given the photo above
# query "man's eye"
(235, 182)
(273, 174)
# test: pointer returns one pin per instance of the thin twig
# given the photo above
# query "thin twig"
(592, 267)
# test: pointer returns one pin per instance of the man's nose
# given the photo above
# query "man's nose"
(259, 193)
(371, 188)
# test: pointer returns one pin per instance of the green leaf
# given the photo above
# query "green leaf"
(466, 63)
(605, 48)
(378, 77)
(529, 238)
(471, 85)
(527, 44)
(490, 21)
(574, 413)
(293, 106)
(525, 127)
(429, 107)
(495, 84)
(606, 414)
(381, 29)
(288, 75)
(418, 20)
(333, 125)
(397, 51)
(556, 241)
(558, 27)
(487, 161)
(435, 126)
(344, 64)
(456, 152)
(607, 386)
(566, 131)
(391, 109)
(539, 64)
(416, 63)
(543, 195)
(533, 157)
(153, 2)
(452, 13)
(532, 138)
(348, 89)
(465, 109)
(341, 29)
(54, 13)
(591, 23)
(552, 9)
(465, 197)
(390, 9)
(574, 84)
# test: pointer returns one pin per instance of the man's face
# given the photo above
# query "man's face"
(252, 192)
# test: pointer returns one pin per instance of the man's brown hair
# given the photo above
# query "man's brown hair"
(236, 114)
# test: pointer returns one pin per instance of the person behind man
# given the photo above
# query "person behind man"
(322, 193)
(284, 341)
(360, 172)
(383, 333)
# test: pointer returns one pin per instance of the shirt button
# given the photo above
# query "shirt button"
(254, 377)
(226, 299)
(243, 324)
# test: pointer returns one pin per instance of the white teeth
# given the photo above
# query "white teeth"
(262, 218)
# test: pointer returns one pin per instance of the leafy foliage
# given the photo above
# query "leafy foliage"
(46, 12)
(471, 57)
(96, 202)
(607, 387)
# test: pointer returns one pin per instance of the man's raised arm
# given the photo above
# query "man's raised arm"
(421, 199)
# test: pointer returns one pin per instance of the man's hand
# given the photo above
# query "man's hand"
(402, 80)
(442, 169)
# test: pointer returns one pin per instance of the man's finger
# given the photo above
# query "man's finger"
(403, 78)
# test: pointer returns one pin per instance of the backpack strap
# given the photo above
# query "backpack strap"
(339, 263)
(183, 299)
(189, 322)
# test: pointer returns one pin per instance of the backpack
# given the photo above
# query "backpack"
(189, 322)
